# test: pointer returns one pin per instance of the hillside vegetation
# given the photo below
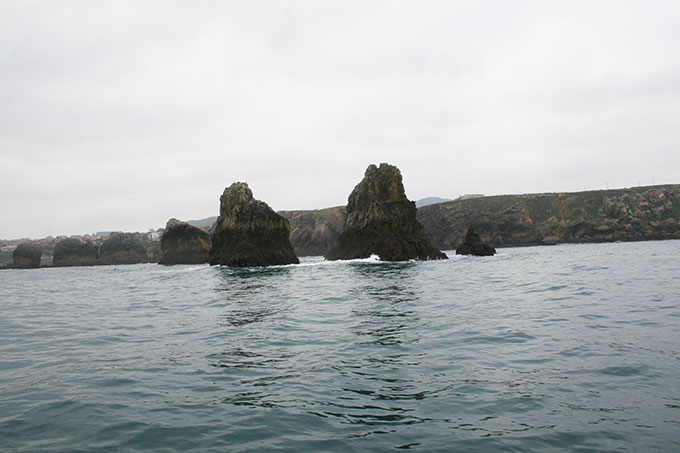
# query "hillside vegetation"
(644, 213)
(636, 214)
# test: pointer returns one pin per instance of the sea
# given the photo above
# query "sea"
(562, 348)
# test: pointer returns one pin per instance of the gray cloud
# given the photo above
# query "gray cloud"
(119, 115)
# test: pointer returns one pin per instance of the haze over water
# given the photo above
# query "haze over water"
(573, 347)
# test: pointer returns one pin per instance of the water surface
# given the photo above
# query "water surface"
(573, 347)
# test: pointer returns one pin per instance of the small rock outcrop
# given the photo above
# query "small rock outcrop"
(382, 221)
(27, 255)
(123, 248)
(473, 245)
(184, 244)
(249, 233)
(73, 252)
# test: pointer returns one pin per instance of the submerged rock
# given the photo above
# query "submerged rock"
(27, 255)
(249, 233)
(184, 244)
(382, 221)
(72, 252)
(123, 248)
(473, 245)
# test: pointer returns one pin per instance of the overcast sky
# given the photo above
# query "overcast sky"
(117, 115)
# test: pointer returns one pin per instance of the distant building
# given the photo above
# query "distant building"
(470, 195)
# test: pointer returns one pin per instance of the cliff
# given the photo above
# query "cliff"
(644, 213)
(381, 220)
(314, 233)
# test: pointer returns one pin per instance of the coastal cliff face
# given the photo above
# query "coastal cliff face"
(123, 248)
(72, 252)
(249, 233)
(27, 255)
(184, 244)
(645, 213)
(314, 233)
(381, 220)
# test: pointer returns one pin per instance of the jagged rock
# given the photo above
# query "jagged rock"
(123, 248)
(72, 252)
(249, 233)
(382, 221)
(27, 255)
(473, 245)
(184, 244)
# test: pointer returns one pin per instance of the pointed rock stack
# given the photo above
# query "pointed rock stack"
(249, 233)
(473, 245)
(382, 221)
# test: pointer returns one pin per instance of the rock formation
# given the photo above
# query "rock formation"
(27, 255)
(249, 233)
(184, 244)
(72, 252)
(123, 248)
(381, 220)
(473, 245)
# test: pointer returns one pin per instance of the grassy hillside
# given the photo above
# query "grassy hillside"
(643, 213)
(315, 232)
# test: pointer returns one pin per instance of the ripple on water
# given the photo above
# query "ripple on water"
(560, 348)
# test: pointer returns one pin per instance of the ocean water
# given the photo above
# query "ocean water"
(572, 347)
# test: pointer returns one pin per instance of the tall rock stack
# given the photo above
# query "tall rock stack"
(382, 221)
(249, 233)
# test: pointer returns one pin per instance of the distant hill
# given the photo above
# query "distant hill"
(640, 213)
(207, 222)
(430, 200)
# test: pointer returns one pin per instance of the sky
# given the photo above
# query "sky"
(118, 115)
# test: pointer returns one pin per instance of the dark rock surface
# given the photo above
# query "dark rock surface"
(27, 255)
(381, 220)
(183, 243)
(314, 233)
(249, 233)
(73, 252)
(123, 248)
(473, 245)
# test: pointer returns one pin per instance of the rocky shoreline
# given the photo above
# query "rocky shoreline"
(635, 214)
